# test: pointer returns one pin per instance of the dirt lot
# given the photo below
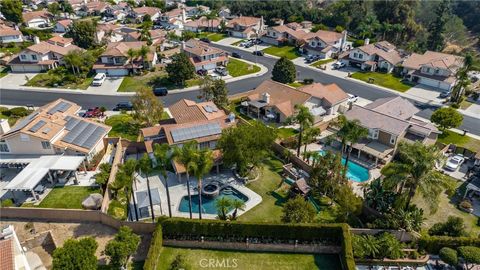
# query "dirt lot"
(64, 231)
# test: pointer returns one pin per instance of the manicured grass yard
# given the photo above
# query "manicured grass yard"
(198, 259)
(238, 68)
(449, 137)
(44, 80)
(212, 36)
(383, 79)
(465, 104)
(296, 84)
(4, 71)
(122, 126)
(284, 133)
(322, 62)
(270, 209)
(289, 52)
(69, 197)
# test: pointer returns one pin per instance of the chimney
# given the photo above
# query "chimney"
(184, 16)
(36, 39)
(4, 126)
(367, 41)
(183, 45)
(266, 97)
(344, 40)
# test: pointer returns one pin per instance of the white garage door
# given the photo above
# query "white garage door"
(25, 68)
(435, 83)
(113, 72)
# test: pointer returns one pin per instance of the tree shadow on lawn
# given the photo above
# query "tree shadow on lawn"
(280, 200)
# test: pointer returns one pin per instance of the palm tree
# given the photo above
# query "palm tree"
(74, 59)
(237, 204)
(304, 118)
(202, 165)
(186, 155)
(222, 207)
(145, 164)
(164, 155)
(415, 171)
(370, 245)
(131, 53)
(462, 78)
(350, 133)
(143, 52)
(101, 178)
(310, 134)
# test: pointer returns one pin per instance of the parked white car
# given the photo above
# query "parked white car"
(454, 162)
(222, 71)
(338, 65)
(352, 98)
(99, 79)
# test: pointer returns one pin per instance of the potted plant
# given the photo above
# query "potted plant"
(466, 206)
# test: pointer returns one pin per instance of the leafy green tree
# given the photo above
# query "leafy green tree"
(132, 54)
(449, 256)
(12, 10)
(414, 171)
(368, 26)
(378, 197)
(298, 210)
(284, 71)
(101, 178)
(350, 204)
(187, 35)
(245, 146)
(397, 12)
(304, 118)
(180, 69)
(186, 156)
(350, 133)
(200, 167)
(454, 226)
(147, 109)
(365, 246)
(74, 60)
(470, 255)
(54, 8)
(164, 157)
(76, 255)
(446, 118)
(83, 33)
(214, 90)
(309, 136)
(223, 205)
(145, 165)
(462, 79)
(436, 40)
(143, 52)
(179, 263)
(124, 245)
(326, 175)
(390, 246)
(66, 7)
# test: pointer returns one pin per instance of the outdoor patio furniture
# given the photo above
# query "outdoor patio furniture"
(39, 189)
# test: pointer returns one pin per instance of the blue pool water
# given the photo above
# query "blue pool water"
(355, 172)
(209, 204)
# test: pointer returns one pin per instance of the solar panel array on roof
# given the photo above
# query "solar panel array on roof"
(183, 134)
(21, 124)
(71, 122)
(37, 126)
(83, 133)
(62, 106)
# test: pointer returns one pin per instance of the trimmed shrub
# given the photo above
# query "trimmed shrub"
(433, 244)
(6, 203)
(290, 142)
(18, 112)
(154, 250)
(454, 226)
(465, 204)
(308, 81)
(470, 254)
(449, 256)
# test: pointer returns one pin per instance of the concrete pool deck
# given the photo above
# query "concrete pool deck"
(178, 190)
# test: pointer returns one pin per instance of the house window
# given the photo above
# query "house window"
(46, 145)
(23, 57)
(360, 56)
(355, 54)
(34, 57)
(204, 145)
(24, 138)
(373, 133)
(393, 139)
(428, 70)
(4, 147)
(437, 71)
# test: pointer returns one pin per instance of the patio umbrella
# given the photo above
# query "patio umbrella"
(270, 115)
(244, 103)
(93, 201)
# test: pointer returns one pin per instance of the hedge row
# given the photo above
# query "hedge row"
(154, 250)
(346, 255)
(433, 244)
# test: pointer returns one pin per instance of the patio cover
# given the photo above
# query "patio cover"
(142, 198)
(318, 111)
(473, 185)
(373, 148)
(37, 168)
(257, 103)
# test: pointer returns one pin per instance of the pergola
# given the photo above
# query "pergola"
(473, 185)
(376, 149)
(37, 169)
(143, 201)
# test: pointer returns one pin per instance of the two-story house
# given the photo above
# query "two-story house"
(117, 12)
(274, 101)
(433, 69)
(291, 33)
(246, 27)
(108, 32)
(203, 24)
(116, 62)
(202, 122)
(203, 56)
(325, 44)
(157, 36)
(197, 10)
(37, 19)
(370, 57)
(93, 8)
(140, 12)
(43, 55)
(389, 121)
(53, 129)
(174, 18)
(62, 26)
(10, 34)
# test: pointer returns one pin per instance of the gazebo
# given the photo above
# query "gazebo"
(143, 201)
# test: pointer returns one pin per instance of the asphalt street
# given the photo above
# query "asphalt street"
(37, 98)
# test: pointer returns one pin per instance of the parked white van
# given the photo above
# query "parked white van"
(99, 79)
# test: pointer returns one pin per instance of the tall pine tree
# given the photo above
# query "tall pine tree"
(436, 40)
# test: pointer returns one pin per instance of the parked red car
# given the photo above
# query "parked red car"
(93, 112)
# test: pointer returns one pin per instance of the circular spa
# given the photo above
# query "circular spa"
(211, 190)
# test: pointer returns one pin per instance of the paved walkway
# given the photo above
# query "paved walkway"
(110, 85)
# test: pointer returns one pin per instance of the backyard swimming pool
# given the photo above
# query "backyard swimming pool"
(208, 203)
(355, 172)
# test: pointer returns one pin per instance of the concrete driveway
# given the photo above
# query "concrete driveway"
(15, 80)
(110, 85)
(426, 93)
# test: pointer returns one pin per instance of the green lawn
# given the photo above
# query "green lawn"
(238, 68)
(239, 260)
(387, 80)
(123, 126)
(270, 209)
(69, 197)
(151, 79)
(4, 71)
(322, 62)
(289, 52)
(284, 133)
(296, 84)
(465, 104)
(46, 79)
(212, 36)
(450, 137)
